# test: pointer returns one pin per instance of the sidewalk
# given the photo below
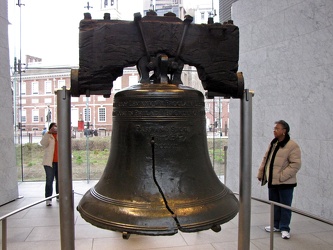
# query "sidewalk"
(38, 228)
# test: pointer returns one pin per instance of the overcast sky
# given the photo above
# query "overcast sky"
(49, 28)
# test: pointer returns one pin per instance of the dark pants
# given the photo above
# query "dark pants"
(51, 173)
(282, 216)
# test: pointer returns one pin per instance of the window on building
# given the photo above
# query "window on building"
(74, 117)
(48, 100)
(86, 114)
(202, 15)
(133, 80)
(35, 88)
(35, 100)
(35, 115)
(207, 106)
(24, 101)
(117, 85)
(74, 99)
(24, 116)
(106, 3)
(48, 87)
(23, 88)
(101, 98)
(61, 83)
(102, 114)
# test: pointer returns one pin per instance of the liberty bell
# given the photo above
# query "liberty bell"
(158, 178)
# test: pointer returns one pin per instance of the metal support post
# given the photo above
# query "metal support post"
(245, 173)
(225, 164)
(66, 198)
(4, 234)
(271, 236)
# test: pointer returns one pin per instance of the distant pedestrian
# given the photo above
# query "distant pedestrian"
(279, 166)
(44, 131)
(50, 160)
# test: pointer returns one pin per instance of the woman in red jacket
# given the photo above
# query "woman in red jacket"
(50, 160)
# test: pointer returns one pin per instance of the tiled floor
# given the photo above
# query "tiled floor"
(38, 228)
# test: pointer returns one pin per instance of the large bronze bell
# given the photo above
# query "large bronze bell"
(159, 178)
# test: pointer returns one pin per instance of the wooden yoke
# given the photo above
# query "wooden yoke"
(107, 46)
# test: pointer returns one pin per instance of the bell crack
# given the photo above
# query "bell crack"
(174, 216)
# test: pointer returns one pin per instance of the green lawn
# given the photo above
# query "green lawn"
(90, 164)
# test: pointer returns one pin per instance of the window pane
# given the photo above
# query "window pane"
(101, 114)
(99, 98)
(48, 87)
(87, 115)
(48, 100)
(35, 88)
(23, 88)
(61, 83)
(133, 80)
(35, 115)
(24, 115)
(117, 85)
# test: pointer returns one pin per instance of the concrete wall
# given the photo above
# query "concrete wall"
(8, 170)
(286, 55)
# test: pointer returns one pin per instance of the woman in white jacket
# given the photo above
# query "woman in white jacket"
(50, 160)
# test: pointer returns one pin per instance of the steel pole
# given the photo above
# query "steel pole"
(4, 234)
(225, 164)
(245, 172)
(66, 199)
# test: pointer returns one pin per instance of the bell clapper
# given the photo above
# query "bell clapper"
(126, 235)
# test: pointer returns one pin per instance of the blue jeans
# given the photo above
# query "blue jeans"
(51, 173)
(282, 216)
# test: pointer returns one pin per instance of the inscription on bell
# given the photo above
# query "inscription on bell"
(159, 103)
(166, 130)
(165, 136)
(158, 112)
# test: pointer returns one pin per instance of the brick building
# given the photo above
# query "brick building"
(35, 102)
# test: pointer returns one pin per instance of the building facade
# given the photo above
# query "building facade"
(162, 7)
(35, 102)
(110, 6)
(225, 10)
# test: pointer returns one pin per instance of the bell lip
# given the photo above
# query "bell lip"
(128, 228)
(166, 224)
(153, 231)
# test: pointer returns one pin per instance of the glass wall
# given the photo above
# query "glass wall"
(91, 149)
(34, 105)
